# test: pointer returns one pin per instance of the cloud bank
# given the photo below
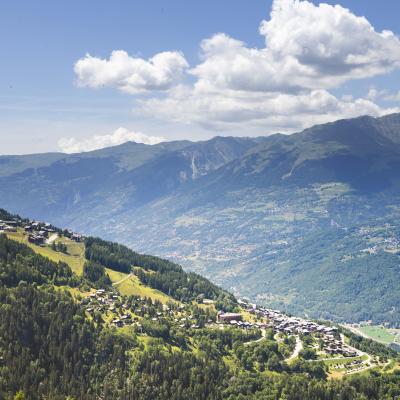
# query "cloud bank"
(286, 85)
(120, 136)
(130, 74)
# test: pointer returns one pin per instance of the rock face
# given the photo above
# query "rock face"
(307, 222)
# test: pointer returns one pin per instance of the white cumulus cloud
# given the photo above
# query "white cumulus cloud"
(286, 84)
(259, 112)
(119, 136)
(328, 41)
(131, 74)
(309, 49)
(306, 47)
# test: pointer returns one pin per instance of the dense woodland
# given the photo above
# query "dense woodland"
(50, 349)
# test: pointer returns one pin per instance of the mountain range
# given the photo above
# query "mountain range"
(306, 222)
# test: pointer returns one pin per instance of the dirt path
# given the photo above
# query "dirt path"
(123, 279)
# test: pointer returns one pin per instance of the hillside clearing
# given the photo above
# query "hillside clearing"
(130, 285)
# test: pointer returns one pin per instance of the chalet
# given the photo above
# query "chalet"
(350, 353)
(228, 317)
(8, 228)
(117, 322)
(14, 224)
(126, 317)
(330, 350)
(76, 237)
(36, 239)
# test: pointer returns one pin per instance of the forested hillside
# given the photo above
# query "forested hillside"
(121, 325)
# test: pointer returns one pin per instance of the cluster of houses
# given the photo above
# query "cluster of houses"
(101, 301)
(391, 243)
(334, 346)
(354, 366)
(76, 237)
(380, 241)
(124, 313)
(281, 323)
(236, 319)
(8, 226)
(38, 232)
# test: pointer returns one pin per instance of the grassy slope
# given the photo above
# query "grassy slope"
(129, 285)
(75, 257)
(378, 334)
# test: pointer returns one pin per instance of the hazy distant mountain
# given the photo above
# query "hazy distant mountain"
(53, 185)
(306, 222)
(362, 152)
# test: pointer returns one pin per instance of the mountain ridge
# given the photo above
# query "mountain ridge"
(247, 207)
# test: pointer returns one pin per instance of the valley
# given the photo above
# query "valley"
(275, 219)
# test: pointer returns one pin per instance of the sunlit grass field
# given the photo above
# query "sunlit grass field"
(75, 256)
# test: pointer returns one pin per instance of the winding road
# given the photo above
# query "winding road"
(263, 334)
(296, 351)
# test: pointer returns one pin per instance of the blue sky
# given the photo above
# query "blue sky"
(41, 102)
